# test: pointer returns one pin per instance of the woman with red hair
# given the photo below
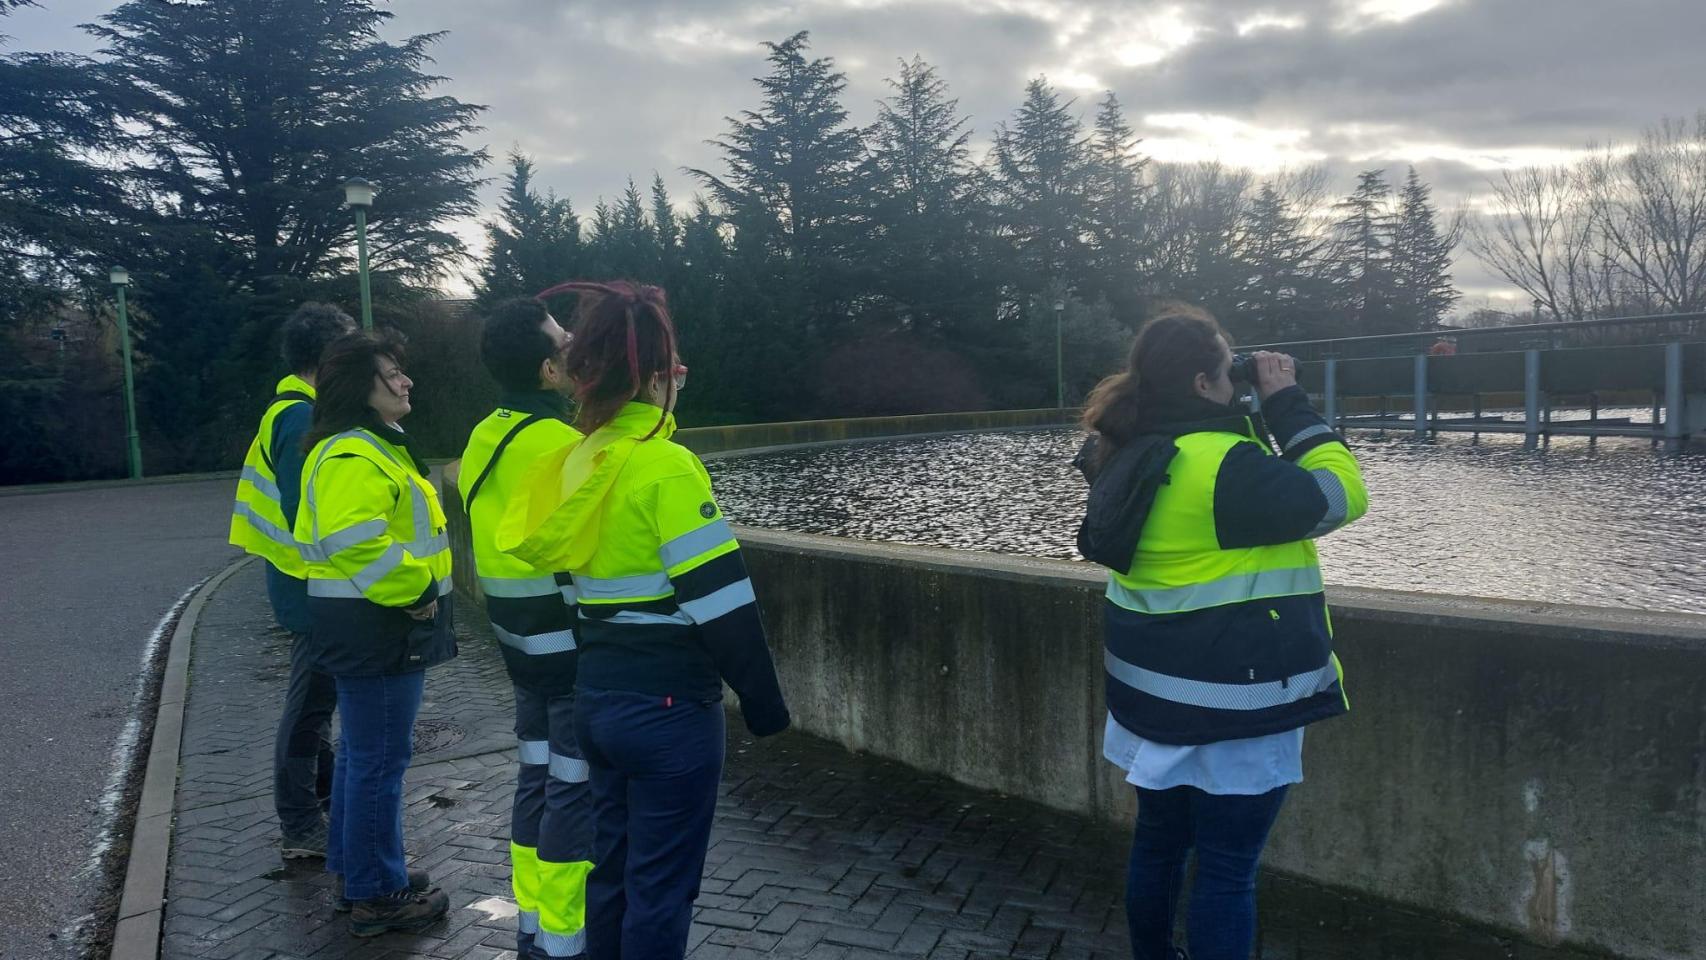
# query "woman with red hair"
(666, 616)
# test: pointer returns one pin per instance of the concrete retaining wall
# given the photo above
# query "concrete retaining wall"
(1541, 768)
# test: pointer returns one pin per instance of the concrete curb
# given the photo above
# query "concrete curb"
(142, 907)
(77, 486)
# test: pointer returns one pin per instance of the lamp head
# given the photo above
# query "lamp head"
(358, 192)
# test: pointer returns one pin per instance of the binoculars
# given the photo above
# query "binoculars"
(1243, 369)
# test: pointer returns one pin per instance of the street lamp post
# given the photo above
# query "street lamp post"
(358, 194)
(1059, 368)
(120, 278)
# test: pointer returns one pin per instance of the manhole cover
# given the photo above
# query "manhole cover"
(433, 735)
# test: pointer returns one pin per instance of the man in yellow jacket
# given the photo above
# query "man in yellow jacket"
(532, 612)
(267, 496)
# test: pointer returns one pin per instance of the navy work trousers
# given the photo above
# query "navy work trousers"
(655, 765)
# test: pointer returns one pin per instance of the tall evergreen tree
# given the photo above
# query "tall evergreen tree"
(1281, 296)
(533, 243)
(1421, 258)
(1042, 173)
(1118, 197)
(1361, 259)
(253, 112)
(249, 114)
(792, 172)
(931, 230)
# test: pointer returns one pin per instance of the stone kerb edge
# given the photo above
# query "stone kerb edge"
(143, 903)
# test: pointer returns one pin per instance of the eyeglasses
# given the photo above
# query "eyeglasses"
(680, 375)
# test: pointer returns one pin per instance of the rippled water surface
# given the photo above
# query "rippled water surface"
(1614, 523)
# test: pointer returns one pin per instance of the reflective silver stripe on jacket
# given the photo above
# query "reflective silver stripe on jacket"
(424, 546)
(537, 644)
(267, 528)
(1338, 504)
(643, 586)
(695, 542)
(1221, 696)
(729, 598)
(676, 619)
(265, 485)
(1308, 433)
(518, 587)
(1296, 581)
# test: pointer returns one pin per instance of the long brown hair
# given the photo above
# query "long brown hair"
(1170, 350)
(345, 381)
(623, 336)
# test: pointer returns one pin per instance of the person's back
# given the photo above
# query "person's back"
(268, 495)
(1217, 641)
(531, 610)
(666, 615)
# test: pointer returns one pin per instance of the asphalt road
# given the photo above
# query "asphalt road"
(85, 577)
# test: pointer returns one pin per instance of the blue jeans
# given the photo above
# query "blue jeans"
(655, 767)
(302, 751)
(375, 738)
(1228, 833)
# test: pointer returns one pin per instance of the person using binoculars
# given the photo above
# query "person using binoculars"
(1218, 647)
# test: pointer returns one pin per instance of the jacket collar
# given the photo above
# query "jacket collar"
(396, 438)
(641, 420)
(543, 403)
(296, 384)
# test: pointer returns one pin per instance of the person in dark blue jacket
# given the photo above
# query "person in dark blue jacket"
(267, 497)
(1218, 644)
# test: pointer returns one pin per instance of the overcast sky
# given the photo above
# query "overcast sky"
(598, 90)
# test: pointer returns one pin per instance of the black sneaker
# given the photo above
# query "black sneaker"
(407, 910)
(303, 846)
(419, 882)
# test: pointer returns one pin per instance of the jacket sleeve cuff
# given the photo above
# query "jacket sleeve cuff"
(765, 716)
(425, 598)
(1296, 427)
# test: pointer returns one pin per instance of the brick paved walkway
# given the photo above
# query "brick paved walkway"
(816, 853)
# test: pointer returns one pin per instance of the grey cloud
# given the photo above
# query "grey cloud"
(596, 93)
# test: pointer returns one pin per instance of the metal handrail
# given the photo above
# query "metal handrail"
(1349, 347)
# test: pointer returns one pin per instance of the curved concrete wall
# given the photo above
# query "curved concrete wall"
(1541, 768)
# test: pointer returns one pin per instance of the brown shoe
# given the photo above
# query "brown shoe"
(407, 910)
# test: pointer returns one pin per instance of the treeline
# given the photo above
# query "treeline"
(1621, 232)
(828, 269)
(823, 268)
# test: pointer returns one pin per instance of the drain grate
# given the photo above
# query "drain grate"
(431, 735)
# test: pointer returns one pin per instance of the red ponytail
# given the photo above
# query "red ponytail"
(622, 336)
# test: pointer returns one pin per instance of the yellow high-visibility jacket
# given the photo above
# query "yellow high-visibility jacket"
(373, 536)
(665, 605)
(258, 523)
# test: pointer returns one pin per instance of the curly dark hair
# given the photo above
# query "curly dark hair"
(308, 332)
(514, 343)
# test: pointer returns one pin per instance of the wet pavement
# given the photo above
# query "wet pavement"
(89, 574)
(816, 852)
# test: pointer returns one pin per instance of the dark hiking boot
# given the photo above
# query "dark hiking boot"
(419, 882)
(406, 910)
